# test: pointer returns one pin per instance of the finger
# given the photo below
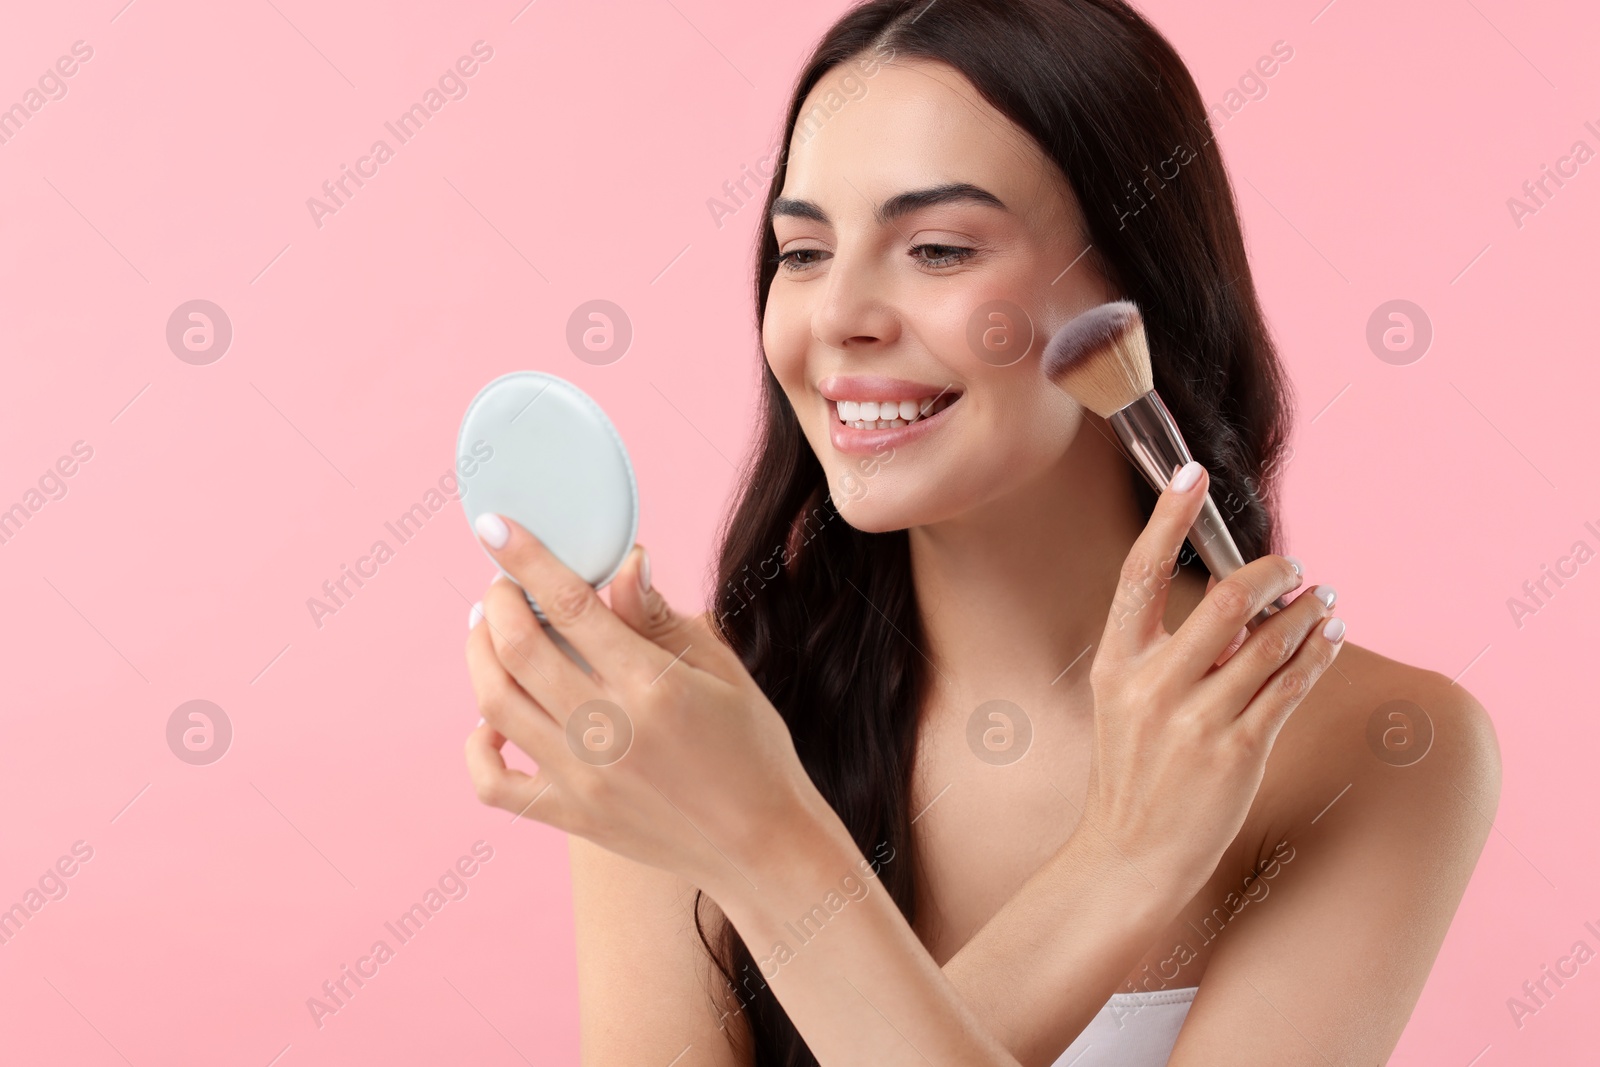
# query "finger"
(690, 640)
(1215, 622)
(529, 653)
(1268, 648)
(571, 605)
(499, 786)
(1271, 707)
(504, 705)
(1238, 638)
(1141, 599)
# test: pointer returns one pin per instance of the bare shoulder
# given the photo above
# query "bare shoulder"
(1379, 794)
(1375, 733)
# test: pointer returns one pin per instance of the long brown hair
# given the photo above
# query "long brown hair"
(825, 616)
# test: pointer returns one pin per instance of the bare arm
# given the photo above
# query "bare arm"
(1033, 976)
(1361, 910)
(1170, 727)
(827, 938)
(1042, 967)
(1327, 969)
(647, 991)
(710, 789)
(842, 959)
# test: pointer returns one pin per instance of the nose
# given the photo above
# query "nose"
(855, 311)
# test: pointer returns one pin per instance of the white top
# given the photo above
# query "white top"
(1132, 1030)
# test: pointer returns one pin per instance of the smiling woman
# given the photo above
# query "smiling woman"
(1077, 901)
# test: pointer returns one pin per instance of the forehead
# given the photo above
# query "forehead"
(909, 123)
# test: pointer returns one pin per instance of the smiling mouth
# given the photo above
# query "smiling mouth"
(888, 414)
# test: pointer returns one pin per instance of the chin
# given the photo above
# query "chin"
(872, 516)
(881, 505)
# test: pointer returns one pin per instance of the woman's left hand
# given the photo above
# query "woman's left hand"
(666, 752)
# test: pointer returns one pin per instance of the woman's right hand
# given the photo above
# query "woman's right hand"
(1181, 743)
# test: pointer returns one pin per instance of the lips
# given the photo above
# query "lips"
(876, 388)
(870, 414)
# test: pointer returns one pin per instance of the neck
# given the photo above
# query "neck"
(1015, 595)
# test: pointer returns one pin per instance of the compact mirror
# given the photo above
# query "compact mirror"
(538, 450)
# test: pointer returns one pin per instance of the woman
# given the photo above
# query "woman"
(969, 764)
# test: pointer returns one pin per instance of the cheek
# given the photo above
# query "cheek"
(783, 338)
(1022, 421)
(988, 328)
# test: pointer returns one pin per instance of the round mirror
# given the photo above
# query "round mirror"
(538, 450)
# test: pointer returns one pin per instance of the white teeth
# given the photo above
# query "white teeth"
(886, 414)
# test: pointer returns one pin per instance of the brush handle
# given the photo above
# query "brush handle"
(1147, 428)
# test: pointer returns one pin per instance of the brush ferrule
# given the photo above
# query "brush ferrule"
(1151, 436)
(1148, 431)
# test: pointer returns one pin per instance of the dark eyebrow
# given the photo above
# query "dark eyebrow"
(895, 206)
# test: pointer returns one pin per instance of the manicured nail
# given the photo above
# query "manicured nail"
(1187, 475)
(1294, 561)
(644, 570)
(493, 529)
(1325, 593)
(1334, 630)
(475, 614)
(481, 722)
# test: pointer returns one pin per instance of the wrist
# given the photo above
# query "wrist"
(795, 860)
(1151, 894)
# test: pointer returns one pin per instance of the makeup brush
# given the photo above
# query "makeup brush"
(1102, 360)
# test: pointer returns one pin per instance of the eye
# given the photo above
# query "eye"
(788, 262)
(949, 255)
(798, 260)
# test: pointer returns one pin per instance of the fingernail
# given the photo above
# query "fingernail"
(1325, 593)
(1294, 561)
(1334, 630)
(1187, 475)
(481, 722)
(493, 529)
(475, 614)
(644, 570)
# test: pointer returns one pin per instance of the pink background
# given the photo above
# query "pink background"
(220, 497)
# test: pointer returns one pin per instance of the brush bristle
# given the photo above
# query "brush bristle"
(1102, 358)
